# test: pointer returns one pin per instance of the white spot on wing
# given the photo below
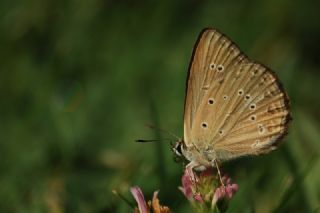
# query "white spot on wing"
(220, 132)
(252, 106)
(212, 66)
(220, 68)
(253, 118)
(211, 101)
(261, 129)
(255, 144)
(204, 125)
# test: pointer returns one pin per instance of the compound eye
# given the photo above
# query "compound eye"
(177, 149)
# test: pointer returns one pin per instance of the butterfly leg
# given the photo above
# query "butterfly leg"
(190, 171)
(219, 173)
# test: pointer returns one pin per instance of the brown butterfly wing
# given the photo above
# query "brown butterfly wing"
(233, 106)
(211, 46)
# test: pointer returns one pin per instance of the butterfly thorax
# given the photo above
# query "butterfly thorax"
(203, 157)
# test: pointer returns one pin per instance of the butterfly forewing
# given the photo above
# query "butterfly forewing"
(233, 106)
(212, 52)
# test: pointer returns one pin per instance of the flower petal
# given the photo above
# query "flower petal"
(198, 198)
(138, 196)
(186, 185)
(235, 187)
(155, 202)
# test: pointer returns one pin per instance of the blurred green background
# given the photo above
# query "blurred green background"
(80, 79)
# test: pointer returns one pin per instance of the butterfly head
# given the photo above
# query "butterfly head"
(177, 149)
(184, 154)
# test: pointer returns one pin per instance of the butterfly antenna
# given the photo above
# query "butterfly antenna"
(152, 140)
(163, 130)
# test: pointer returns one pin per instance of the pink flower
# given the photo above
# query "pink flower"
(145, 207)
(186, 185)
(197, 197)
(227, 191)
(188, 188)
(208, 188)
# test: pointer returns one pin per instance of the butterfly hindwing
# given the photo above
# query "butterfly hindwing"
(259, 119)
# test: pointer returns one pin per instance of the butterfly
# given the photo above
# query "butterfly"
(234, 106)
